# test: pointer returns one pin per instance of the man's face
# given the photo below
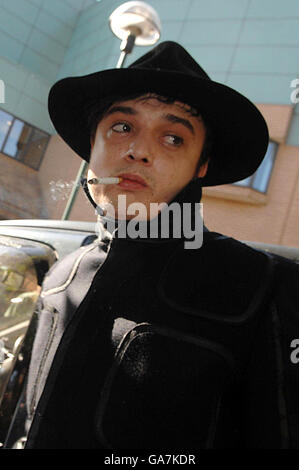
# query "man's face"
(160, 143)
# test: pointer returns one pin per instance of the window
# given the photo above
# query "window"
(22, 141)
(260, 179)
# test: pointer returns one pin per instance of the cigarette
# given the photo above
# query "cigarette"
(108, 180)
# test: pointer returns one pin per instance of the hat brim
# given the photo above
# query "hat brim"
(240, 132)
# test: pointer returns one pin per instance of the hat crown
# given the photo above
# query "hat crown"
(171, 57)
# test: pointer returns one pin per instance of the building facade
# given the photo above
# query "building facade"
(250, 45)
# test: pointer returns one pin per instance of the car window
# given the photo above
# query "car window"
(23, 265)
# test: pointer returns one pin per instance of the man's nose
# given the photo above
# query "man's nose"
(140, 151)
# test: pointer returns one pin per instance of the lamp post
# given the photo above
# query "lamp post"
(133, 22)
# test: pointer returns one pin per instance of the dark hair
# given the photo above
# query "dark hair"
(96, 112)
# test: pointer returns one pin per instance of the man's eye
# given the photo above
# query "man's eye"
(174, 140)
(121, 127)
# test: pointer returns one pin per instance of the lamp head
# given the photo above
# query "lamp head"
(138, 19)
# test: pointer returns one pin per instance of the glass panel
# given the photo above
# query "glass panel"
(32, 154)
(260, 179)
(245, 182)
(25, 143)
(5, 123)
(263, 173)
(16, 139)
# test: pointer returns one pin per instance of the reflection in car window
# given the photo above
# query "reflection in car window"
(23, 265)
(19, 287)
(19, 292)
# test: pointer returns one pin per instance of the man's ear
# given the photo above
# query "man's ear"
(203, 170)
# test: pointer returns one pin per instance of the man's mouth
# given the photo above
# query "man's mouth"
(131, 181)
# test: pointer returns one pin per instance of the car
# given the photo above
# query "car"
(28, 249)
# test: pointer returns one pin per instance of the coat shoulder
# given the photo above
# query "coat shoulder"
(225, 279)
(65, 269)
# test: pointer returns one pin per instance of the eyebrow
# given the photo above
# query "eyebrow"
(120, 109)
(168, 117)
(176, 119)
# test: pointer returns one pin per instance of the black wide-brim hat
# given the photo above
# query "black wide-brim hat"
(240, 133)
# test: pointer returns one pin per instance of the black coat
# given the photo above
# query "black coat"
(144, 344)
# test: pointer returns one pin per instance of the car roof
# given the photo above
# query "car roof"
(63, 236)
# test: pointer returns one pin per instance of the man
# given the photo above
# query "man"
(141, 342)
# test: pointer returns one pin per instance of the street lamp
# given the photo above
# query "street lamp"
(134, 23)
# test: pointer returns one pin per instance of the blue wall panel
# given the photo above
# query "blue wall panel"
(252, 45)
